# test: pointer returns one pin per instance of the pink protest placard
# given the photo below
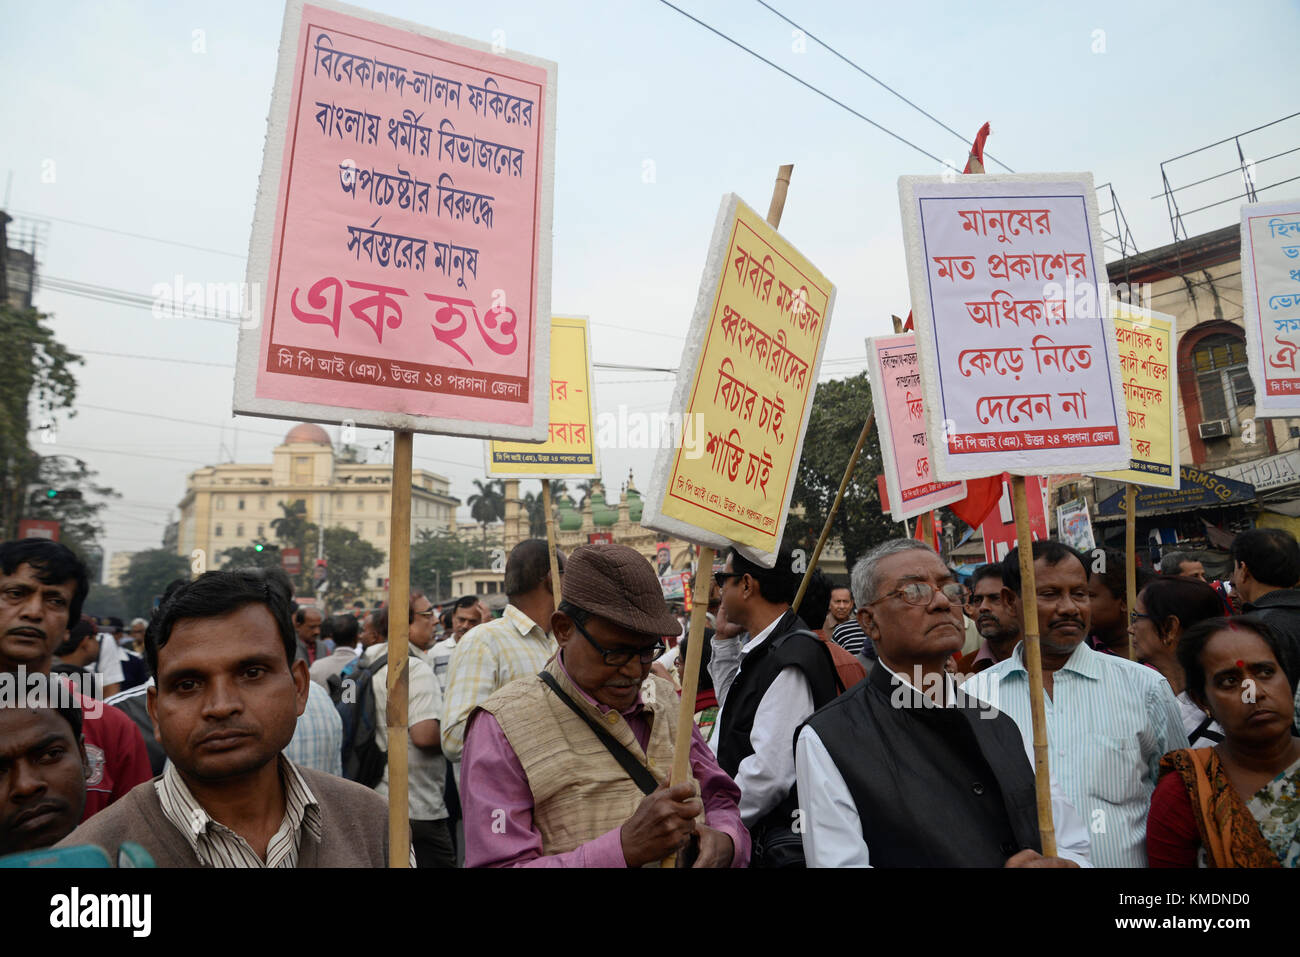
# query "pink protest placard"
(403, 231)
(897, 395)
(1270, 275)
(1013, 324)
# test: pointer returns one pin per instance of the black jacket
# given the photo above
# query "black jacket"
(1280, 609)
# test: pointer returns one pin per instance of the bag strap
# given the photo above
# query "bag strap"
(635, 769)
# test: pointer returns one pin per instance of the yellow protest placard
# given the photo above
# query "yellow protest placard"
(745, 390)
(1147, 345)
(570, 448)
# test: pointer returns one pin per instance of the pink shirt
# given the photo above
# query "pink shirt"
(497, 803)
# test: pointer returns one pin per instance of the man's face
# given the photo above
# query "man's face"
(1107, 612)
(906, 632)
(1191, 570)
(996, 619)
(841, 605)
(309, 629)
(137, 633)
(422, 627)
(33, 619)
(1063, 604)
(226, 701)
(615, 687)
(42, 779)
(463, 619)
(732, 595)
(368, 634)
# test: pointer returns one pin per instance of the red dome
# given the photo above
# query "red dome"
(308, 432)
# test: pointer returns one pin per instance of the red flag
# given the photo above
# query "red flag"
(981, 498)
(976, 157)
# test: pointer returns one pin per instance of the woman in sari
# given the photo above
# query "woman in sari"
(1165, 609)
(1236, 804)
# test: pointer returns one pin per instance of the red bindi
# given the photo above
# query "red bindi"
(1240, 663)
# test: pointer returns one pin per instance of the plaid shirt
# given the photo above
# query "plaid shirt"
(318, 739)
(489, 657)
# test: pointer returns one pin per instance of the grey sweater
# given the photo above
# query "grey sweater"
(354, 826)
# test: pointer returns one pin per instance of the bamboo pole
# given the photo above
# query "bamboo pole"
(1130, 557)
(551, 545)
(1034, 665)
(700, 586)
(830, 516)
(399, 598)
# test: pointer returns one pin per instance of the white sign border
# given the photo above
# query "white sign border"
(591, 404)
(247, 361)
(652, 515)
(1266, 406)
(923, 319)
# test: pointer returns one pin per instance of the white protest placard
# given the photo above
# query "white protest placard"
(402, 237)
(1270, 286)
(897, 395)
(744, 391)
(1009, 297)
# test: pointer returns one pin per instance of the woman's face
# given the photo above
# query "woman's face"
(1245, 687)
(1146, 637)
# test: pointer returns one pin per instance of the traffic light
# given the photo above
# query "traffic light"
(48, 495)
(258, 546)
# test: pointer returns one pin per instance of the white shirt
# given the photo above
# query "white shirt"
(109, 663)
(832, 827)
(767, 775)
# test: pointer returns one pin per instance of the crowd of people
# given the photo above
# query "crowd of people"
(235, 728)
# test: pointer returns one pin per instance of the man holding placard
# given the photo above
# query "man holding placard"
(1109, 720)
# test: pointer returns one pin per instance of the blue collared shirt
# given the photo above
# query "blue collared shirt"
(1109, 722)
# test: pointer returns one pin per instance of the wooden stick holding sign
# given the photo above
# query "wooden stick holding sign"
(399, 592)
(1130, 558)
(700, 588)
(830, 516)
(551, 545)
(1034, 665)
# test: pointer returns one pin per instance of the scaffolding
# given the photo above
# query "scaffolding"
(1206, 167)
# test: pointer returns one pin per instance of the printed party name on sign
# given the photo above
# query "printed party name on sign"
(1008, 287)
(748, 374)
(403, 231)
(1270, 272)
(897, 395)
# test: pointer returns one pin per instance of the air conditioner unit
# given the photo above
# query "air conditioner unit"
(1215, 429)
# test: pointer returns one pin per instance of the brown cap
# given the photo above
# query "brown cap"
(617, 583)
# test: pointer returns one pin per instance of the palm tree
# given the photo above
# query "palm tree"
(488, 504)
(535, 506)
(292, 528)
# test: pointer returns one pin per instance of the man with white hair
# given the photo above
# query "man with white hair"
(904, 749)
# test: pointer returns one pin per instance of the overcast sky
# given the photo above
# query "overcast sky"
(121, 115)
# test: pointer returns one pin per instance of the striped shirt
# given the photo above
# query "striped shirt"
(318, 737)
(850, 636)
(486, 658)
(1109, 722)
(216, 845)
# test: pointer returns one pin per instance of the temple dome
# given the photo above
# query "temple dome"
(308, 432)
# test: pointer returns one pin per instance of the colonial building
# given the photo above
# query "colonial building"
(229, 506)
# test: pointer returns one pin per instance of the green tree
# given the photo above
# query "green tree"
(38, 381)
(76, 506)
(248, 556)
(294, 531)
(435, 555)
(488, 504)
(350, 559)
(839, 409)
(148, 576)
(105, 601)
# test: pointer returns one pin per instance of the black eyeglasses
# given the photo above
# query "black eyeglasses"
(920, 593)
(1133, 617)
(720, 578)
(617, 659)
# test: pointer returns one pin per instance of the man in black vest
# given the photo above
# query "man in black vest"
(905, 771)
(775, 680)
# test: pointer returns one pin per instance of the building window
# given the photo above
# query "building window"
(379, 528)
(1222, 376)
(361, 503)
(360, 528)
(239, 530)
(241, 503)
(220, 503)
(261, 503)
(380, 499)
(338, 502)
(216, 532)
(302, 470)
(261, 531)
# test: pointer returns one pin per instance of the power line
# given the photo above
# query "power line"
(133, 355)
(123, 297)
(123, 232)
(819, 92)
(879, 81)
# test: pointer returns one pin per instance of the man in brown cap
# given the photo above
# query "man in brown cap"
(570, 768)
